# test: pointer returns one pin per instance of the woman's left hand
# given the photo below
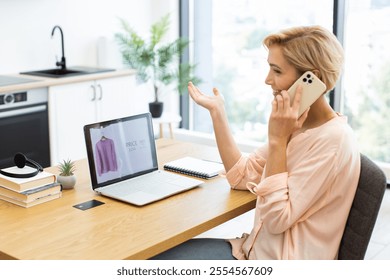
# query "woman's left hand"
(284, 120)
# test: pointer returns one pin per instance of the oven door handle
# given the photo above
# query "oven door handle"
(23, 111)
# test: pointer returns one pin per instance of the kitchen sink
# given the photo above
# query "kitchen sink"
(68, 72)
(63, 71)
(55, 73)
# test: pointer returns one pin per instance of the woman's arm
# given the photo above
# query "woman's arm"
(283, 122)
(227, 147)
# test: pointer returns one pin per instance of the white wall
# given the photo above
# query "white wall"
(89, 27)
(26, 25)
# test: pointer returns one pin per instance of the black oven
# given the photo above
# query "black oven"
(24, 126)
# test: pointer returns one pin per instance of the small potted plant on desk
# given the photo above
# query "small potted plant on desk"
(67, 178)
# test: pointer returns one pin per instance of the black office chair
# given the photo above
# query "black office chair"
(364, 211)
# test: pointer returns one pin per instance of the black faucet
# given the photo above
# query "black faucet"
(61, 63)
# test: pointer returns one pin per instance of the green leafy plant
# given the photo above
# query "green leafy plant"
(67, 168)
(155, 60)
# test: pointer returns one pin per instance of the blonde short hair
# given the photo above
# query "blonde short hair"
(311, 48)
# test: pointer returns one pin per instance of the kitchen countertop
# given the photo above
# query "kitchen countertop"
(40, 82)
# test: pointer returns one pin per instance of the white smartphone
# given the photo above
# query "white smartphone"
(312, 89)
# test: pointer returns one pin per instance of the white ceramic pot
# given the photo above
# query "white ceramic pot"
(67, 182)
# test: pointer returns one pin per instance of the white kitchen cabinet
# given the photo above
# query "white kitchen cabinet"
(71, 106)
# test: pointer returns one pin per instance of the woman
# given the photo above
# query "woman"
(306, 176)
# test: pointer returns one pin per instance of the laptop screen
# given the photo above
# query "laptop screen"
(120, 149)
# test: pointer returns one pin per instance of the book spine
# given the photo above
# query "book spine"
(39, 189)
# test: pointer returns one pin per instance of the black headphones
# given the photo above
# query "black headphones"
(21, 161)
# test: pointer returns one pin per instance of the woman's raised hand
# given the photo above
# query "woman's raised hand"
(211, 103)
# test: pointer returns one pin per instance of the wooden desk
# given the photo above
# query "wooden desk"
(116, 230)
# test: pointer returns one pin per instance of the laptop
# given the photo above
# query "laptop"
(123, 163)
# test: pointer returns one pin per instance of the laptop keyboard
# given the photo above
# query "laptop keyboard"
(159, 182)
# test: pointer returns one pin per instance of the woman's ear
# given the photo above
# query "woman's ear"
(317, 73)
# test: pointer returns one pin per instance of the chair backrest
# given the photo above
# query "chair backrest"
(364, 211)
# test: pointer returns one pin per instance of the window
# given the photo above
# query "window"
(366, 80)
(227, 36)
(230, 55)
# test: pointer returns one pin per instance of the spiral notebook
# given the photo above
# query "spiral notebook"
(195, 167)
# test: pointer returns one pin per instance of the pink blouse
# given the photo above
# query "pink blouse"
(300, 214)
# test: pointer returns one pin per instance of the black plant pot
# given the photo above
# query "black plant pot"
(156, 109)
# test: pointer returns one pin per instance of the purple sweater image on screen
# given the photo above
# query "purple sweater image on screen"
(105, 156)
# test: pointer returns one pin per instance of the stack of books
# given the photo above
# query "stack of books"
(27, 192)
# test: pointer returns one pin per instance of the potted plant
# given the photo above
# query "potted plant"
(155, 60)
(67, 178)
